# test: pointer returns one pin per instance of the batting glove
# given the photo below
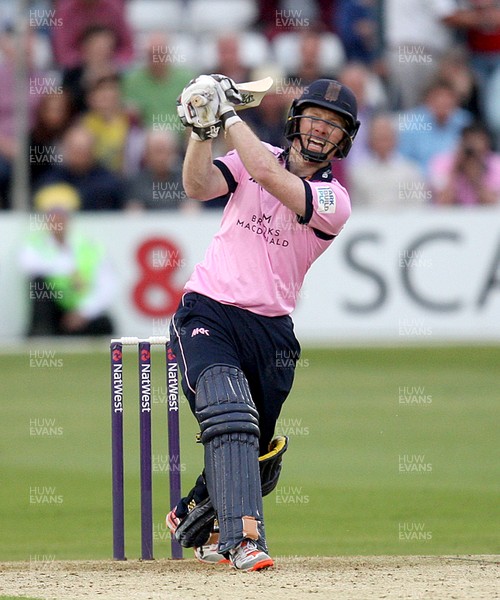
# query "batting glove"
(229, 96)
(198, 107)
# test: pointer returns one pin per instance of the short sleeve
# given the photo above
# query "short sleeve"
(327, 206)
(231, 168)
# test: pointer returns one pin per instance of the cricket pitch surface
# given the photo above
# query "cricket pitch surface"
(293, 578)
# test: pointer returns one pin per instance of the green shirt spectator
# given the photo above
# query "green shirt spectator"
(152, 90)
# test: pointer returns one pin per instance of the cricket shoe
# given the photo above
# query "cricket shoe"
(208, 552)
(247, 557)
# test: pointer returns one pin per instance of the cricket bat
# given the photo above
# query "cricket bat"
(252, 93)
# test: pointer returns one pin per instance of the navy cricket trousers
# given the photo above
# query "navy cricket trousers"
(205, 332)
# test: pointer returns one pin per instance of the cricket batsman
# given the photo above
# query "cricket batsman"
(233, 323)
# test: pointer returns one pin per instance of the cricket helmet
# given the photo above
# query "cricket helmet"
(332, 95)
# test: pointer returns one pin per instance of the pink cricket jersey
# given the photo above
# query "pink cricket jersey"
(263, 250)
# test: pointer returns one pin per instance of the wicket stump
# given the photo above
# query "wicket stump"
(117, 405)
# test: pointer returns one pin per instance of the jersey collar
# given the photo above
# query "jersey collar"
(322, 174)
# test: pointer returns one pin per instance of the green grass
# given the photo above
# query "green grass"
(341, 491)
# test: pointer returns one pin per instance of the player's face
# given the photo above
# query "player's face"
(321, 129)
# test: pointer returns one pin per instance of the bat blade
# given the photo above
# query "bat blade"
(252, 92)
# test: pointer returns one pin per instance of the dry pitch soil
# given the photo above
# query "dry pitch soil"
(299, 578)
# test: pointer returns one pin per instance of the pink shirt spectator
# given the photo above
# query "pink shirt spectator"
(262, 252)
(77, 16)
(464, 193)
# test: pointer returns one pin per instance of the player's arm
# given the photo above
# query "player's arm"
(264, 167)
(260, 163)
(205, 107)
(201, 179)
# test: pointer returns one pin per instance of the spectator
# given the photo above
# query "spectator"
(267, 119)
(416, 37)
(77, 16)
(38, 83)
(434, 127)
(279, 16)
(97, 50)
(370, 97)
(480, 21)
(158, 185)
(356, 24)
(309, 67)
(471, 174)
(454, 69)
(152, 90)
(71, 282)
(98, 188)
(229, 58)
(384, 178)
(53, 117)
(118, 140)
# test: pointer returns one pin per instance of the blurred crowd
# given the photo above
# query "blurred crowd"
(103, 77)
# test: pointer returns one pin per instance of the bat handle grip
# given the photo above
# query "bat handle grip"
(199, 100)
(232, 96)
